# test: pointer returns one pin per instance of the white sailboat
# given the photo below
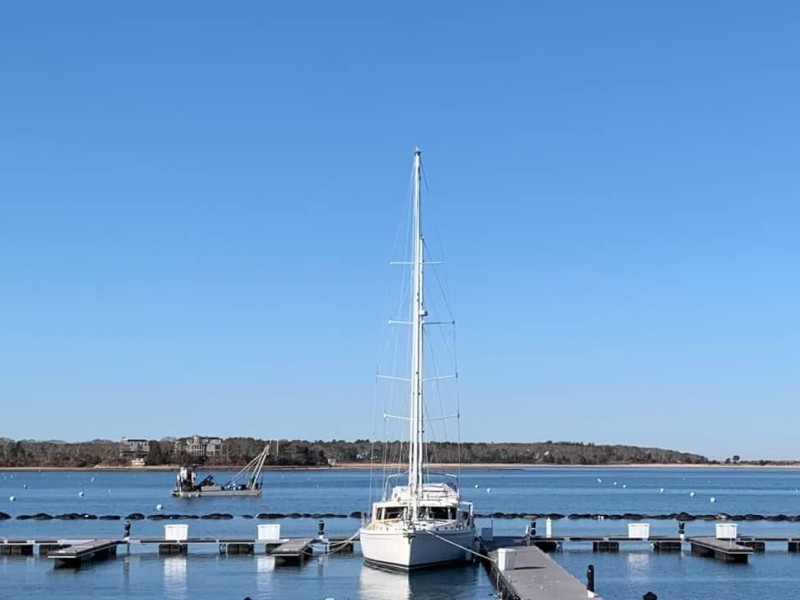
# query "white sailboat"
(423, 523)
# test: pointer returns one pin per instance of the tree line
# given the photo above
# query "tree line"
(239, 451)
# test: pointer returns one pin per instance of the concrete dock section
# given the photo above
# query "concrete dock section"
(526, 573)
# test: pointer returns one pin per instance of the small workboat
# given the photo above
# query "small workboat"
(246, 482)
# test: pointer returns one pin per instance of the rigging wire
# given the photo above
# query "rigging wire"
(389, 353)
(395, 453)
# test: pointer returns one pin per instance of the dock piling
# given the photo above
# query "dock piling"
(605, 546)
(16, 549)
(240, 548)
(666, 546)
(174, 548)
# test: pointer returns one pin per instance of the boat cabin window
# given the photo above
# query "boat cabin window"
(442, 513)
(438, 513)
(390, 512)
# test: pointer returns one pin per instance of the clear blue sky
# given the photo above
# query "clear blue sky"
(198, 203)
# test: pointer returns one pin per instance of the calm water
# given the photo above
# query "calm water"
(205, 574)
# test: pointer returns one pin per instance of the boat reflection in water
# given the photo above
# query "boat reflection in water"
(384, 585)
(435, 584)
(175, 578)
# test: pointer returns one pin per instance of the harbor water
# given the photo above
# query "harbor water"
(206, 574)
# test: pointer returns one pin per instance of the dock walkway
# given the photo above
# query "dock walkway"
(529, 574)
(726, 550)
(76, 555)
(295, 550)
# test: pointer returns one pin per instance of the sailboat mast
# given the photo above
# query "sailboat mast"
(418, 318)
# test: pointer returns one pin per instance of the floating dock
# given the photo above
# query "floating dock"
(734, 550)
(293, 551)
(520, 571)
(288, 551)
(725, 550)
(75, 556)
(77, 552)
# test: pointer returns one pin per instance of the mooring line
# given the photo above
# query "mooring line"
(340, 546)
(470, 550)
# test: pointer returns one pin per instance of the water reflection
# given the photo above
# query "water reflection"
(175, 577)
(639, 561)
(126, 572)
(265, 569)
(435, 584)
(384, 585)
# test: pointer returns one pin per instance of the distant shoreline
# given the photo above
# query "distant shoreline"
(451, 466)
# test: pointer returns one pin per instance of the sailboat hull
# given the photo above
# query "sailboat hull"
(404, 550)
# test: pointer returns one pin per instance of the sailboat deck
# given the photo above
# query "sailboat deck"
(430, 493)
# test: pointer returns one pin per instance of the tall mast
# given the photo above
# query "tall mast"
(418, 318)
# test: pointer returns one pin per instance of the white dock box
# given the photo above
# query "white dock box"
(269, 531)
(176, 533)
(638, 531)
(726, 531)
(505, 559)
